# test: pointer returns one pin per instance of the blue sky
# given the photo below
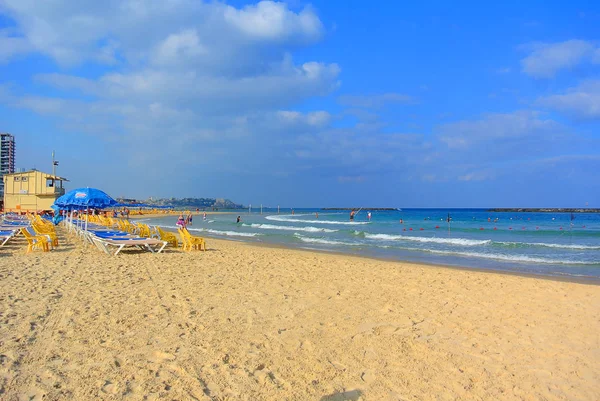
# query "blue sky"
(328, 103)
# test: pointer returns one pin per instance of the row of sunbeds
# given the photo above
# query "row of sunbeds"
(39, 233)
(109, 235)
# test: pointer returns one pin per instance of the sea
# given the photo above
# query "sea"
(550, 244)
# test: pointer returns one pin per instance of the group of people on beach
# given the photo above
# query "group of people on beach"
(124, 213)
(184, 222)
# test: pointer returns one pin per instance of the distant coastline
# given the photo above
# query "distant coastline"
(546, 210)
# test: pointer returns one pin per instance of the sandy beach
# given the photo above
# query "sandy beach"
(245, 322)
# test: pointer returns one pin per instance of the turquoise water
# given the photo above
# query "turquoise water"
(540, 243)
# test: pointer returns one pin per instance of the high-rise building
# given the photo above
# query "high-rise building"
(7, 157)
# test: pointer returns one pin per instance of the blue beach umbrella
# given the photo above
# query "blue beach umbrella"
(84, 198)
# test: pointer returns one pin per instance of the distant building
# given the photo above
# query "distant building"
(31, 191)
(7, 157)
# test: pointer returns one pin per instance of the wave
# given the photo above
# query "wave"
(453, 241)
(227, 233)
(511, 258)
(292, 219)
(543, 244)
(472, 242)
(322, 240)
(290, 228)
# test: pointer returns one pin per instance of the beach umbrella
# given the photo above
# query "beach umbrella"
(84, 199)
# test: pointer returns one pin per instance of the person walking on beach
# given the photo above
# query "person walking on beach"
(180, 222)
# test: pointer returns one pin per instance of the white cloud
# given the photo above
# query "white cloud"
(12, 46)
(374, 101)
(546, 59)
(315, 118)
(70, 31)
(176, 46)
(582, 101)
(498, 129)
(274, 21)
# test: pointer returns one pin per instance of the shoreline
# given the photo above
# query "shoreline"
(570, 279)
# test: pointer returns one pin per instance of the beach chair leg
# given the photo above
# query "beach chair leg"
(101, 246)
(162, 247)
(5, 241)
(119, 249)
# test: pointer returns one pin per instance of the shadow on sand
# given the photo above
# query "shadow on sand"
(353, 395)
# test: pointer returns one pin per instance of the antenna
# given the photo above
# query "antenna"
(54, 164)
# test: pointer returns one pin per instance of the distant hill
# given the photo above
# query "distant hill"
(193, 203)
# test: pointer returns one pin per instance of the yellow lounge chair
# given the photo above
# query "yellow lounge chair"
(191, 241)
(35, 241)
(47, 232)
(166, 236)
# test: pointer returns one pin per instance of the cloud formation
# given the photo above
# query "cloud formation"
(546, 59)
(217, 91)
(580, 102)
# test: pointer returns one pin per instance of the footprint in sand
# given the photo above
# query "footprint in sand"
(159, 356)
(110, 388)
(368, 376)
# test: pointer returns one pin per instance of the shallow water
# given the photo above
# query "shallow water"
(541, 243)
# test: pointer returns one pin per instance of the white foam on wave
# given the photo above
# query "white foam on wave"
(452, 241)
(561, 246)
(292, 219)
(322, 240)
(291, 228)
(227, 233)
(511, 258)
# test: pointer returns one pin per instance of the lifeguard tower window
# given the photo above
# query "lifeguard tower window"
(49, 182)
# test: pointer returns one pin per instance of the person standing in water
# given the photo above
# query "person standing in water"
(239, 218)
(352, 213)
(204, 216)
(180, 221)
(317, 215)
(369, 216)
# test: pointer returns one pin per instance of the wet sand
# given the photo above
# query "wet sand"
(244, 322)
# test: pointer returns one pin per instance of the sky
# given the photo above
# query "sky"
(298, 104)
